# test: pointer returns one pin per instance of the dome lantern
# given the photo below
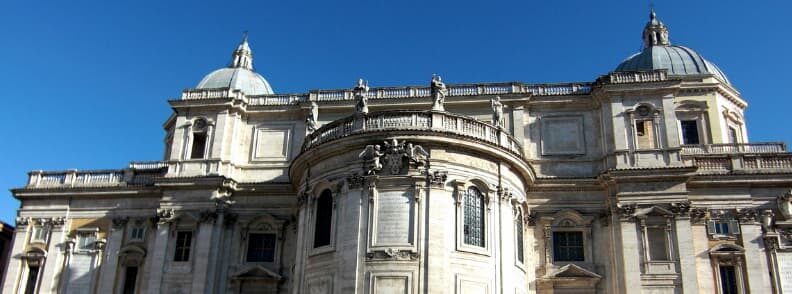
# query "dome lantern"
(239, 74)
(655, 33)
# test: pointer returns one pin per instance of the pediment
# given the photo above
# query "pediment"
(572, 271)
(653, 210)
(256, 273)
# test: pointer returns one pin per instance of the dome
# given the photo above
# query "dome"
(678, 60)
(245, 80)
(658, 53)
(239, 75)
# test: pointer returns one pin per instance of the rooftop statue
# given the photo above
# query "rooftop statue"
(439, 92)
(361, 97)
(497, 111)
(311, 122)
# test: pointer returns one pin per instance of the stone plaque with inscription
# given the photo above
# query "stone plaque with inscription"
(81, 271)
(785, 271)
(394, 218)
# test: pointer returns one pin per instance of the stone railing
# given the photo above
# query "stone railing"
(742, 163)
(432, 121)
(732, 148)
(138, 173)
(637, 77)
(392, 93)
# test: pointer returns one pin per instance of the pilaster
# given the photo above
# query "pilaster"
(156, 261)
(13, 272)
(53, 266)
(630, 254)
(687, 254)
(756, 267)
(107, 273)
(202, 250)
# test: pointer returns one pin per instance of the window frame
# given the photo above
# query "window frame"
(519, 237)
(176, 246)
(582, 245)
(133, 228)
(40, 233)
(646, 113)
(275, 250)
(566, 220)
(313, 206)
(190, 130)
(78, 246)
(487, 217)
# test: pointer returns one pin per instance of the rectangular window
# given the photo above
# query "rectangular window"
(658, 243)
(568, 246)
(183, 243)
(130, 278)
(722, 228)
(136, 233)
(690, 132)
(198, 146)
(733, 137)
(644, 132)
(32, 279)
(728, 279)
(473, 217)
(40, 233)
(86, 240)
(261, 248)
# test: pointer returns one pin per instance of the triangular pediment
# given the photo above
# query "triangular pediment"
(573, 271)
(256, 273)
(653, 210)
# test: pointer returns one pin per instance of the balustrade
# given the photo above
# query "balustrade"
(414, 120)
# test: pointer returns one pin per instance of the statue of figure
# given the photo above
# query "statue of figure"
(361, 97)
(439, 92)
(311, 122)
(497, 111)
(785, 205)
(372, 153)
(654, 38)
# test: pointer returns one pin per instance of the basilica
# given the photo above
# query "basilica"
(641, 180)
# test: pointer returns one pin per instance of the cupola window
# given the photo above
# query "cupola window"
(199, 139)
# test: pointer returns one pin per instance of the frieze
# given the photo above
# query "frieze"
(747, 215)
(392, 157)
(393, 254)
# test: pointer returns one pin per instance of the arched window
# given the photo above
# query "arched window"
(473, 202)
(518, 227)
(324, 217)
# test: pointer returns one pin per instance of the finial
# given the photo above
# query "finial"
(243, 56)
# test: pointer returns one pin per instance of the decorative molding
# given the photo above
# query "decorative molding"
(785, 205)
(530, 218)
(504, 194)
(22, 221)
(698, 215)
(392, 157)
(120, 222)
(626, 211)
(164, 216)
(393, 254)
(207, 216)
(230, 219)
(680, 209)
(747, 215)
(438, 178)
(355, 181)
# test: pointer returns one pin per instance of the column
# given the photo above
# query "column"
(156, 261)
(53, 266)
(15, 264)
(109, 268)
(687, 254)
(755, 258)
(203, 244)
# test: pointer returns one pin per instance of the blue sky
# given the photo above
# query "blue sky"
(85, 84)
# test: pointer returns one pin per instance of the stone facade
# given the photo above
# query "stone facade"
(641, 181)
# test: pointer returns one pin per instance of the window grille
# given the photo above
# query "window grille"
(519, 235)
(474, 217)
(728, 279)
(261, 247)
(568, 246)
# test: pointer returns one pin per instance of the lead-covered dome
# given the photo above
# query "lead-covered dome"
(239, 75)
(658, 53)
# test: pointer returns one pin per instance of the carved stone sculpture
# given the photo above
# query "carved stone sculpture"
(439, 92)
(361, 97)
(785, 205)
(311, 122)
(371, 155)
(497, 111)
(393, 158)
